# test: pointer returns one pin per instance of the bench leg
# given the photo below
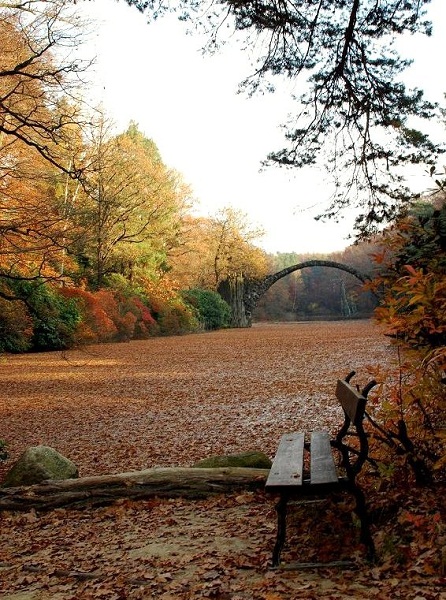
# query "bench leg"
(281, 509)
(361, 511)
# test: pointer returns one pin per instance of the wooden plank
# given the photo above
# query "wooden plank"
(287, 467)
(351, 400)
(323, 469)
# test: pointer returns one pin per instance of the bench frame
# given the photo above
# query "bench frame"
(288, 478)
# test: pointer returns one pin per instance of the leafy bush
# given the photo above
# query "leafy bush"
(133, 307)
(95, 325)
(50, 318)
(124, 323)
(145, 324)
(213, 311)
(173, 316)
(16, 327)
(407, 414)
(110, 315)
(412, 288)
(176, 317)
(54, 318)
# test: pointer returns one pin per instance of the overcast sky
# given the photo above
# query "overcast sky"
(188, 104)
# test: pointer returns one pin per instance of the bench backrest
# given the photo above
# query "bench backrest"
(352, 401)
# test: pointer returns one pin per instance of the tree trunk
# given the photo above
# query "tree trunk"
(232, 291)
(105, 489)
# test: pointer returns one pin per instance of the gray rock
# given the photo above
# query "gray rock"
(37, 464)
(252, 459)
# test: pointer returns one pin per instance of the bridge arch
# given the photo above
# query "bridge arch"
(242, 295)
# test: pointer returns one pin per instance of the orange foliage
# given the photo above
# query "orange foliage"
(96, 324)
(172, 314)
(412, 287)
(107, 316)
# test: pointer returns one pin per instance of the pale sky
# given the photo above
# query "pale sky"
(187, 103)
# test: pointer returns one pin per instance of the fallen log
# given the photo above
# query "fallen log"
(172, 482)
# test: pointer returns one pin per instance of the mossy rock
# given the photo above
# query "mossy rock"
(252, 460)
(37, 464)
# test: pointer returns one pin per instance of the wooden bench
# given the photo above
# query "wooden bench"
(288, 477)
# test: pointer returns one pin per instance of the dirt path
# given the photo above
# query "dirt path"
(172, 401)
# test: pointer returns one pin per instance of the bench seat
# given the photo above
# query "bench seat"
(287, 470)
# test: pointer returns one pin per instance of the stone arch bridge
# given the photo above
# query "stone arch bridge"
(242, 295)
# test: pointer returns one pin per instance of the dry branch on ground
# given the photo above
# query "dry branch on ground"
(171, 482)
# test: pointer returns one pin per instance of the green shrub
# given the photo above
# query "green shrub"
(56, 321)
(54, 318)
(213, 311)
(176, 317)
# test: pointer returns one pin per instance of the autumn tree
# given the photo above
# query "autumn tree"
(217, 247)
(37, 74)
(192, 262)
(218, 254)
(38, 69)
(353, 112)
(132, 206)
(233, 250)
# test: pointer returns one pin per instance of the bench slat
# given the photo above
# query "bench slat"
(287, 468)
(323, 469)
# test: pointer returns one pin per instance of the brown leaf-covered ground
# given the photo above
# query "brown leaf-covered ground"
(171, 401)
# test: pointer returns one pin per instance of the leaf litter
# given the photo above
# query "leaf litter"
(170, 402)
